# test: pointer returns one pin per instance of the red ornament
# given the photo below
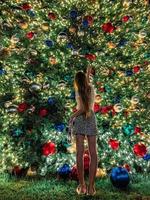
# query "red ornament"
(74, 173)
(30, 35)
(91, 57)
(104, 110)
(22, 107)
(101, 89)
(96, 107)
(51, 16)
(48, 148)
(114, 144)
(139, 149)
(43, 112)
(90, 19)
(127, 167)
(26, 6)
(108, 27)
(137, 130)
(74, 109)
(16, 170)
(125, 18)
(86, 161)
(136, 69)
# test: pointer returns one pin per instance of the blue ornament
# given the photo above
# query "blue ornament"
(2, 71)
(31, 13)
(122, 42)
(146, 157)
(129, 72)
(51, 101)
(73, 14)
(128, 129)
(64, 170)
(117, 99)
(60, 127)
(49, 43)
(70, 46)
(119, 177)
(85, 23)
(147, 55)
(16, 132)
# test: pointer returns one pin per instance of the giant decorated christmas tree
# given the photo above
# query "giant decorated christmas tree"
(43, 44)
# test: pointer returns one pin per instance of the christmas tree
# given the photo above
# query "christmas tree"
(43, 44)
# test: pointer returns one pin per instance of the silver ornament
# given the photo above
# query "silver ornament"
(35, 87)
(12, 109)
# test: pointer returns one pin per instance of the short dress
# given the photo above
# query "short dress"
(84, 126)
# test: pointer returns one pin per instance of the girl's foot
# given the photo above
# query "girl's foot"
(81, 189)
(91, 191)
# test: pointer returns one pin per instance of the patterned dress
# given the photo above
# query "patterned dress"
(81, 125)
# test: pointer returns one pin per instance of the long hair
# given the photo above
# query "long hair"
(81, 83)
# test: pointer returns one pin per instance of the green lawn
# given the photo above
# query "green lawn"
(52, 189)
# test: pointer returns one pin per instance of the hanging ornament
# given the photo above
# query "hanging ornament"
(119, 177)
(52, 60)
(98, 98)
(72, 29)
(23, 25)
(96, 107)
(136, 69)
(137, 130)
(14, 39)
(114, 144)
(59, 127)
(62, 37)
(26, 6)
(118, 107)
(48, 148)
(134, 100)
(146, 157)
(31, 13)
(80, 33)
(128, 129)
(49, 43)
(62, 85)
(111, 45)
(125, 18)
(51, 101)
(34, 87)
(52, 16)
(30, 35)
(85, 23)
(73, 14)
(22, 107)
(90, 19)
(108, 27)
(33, 52)
(129, 72)
(142, 33)
(12, 109)
(43, 112)
(90, 57)
(140, 149)
(45, 26)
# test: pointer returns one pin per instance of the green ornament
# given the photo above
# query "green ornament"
(128, 129)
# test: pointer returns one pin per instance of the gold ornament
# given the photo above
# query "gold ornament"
(118, 107)
(98, 98)
(72, 29)
(23, 25)
(111, 45)
(45, 26)
(52, 60)
(105, 72)
(31, 172)
(134, 100)
(101, 172)
(72, 148)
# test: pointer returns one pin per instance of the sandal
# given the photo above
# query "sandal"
(78, 190)
(94, 192)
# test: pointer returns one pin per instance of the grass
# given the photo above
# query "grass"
(51, 188)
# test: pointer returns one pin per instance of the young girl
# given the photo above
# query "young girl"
(85, 125)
